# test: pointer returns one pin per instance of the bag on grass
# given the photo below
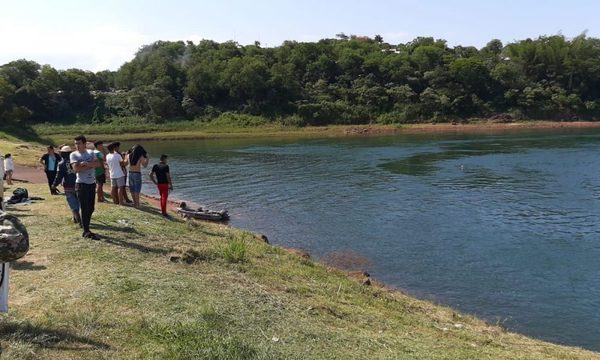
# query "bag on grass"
(19, 195)
(14, 240)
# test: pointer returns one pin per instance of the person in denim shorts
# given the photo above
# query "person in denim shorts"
(137, 157)
(67, 176)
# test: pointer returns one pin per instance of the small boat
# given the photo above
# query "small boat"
(202, 214)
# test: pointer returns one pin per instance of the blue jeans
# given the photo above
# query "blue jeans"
(135, 181)
(72, 200)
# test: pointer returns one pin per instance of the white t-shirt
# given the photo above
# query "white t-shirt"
(9, 164)
(114, 165)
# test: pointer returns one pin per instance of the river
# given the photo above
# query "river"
(503, 226)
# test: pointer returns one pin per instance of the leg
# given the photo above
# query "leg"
(114, 192)
(74, 206)
(163, 189)
(122, 195)
(135, 187)
(86, 205)
(100, 192)
(50, 176)
(136, 199)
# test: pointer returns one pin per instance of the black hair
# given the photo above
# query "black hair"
(50, 147)
(163, 157)
(137, 152)
(97, 143)
(7, 156)
(81, 138)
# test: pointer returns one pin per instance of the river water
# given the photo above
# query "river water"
(503, 226)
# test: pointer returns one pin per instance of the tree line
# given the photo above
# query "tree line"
(344, 80)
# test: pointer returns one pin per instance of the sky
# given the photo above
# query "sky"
(100, 35)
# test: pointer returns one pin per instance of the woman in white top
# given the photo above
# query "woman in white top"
(9, 167)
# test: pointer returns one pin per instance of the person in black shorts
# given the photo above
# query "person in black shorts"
(100, 171)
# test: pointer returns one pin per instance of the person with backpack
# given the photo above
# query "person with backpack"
(50, 161)
(67, 177)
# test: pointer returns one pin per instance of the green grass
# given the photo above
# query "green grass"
(123, 298)
(26, 149)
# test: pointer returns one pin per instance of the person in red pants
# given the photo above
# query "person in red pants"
(161, 176)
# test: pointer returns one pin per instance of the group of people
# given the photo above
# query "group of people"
(84, 170)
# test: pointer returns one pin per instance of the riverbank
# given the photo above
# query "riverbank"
(177, 289)
(191, 130)
(128, 296)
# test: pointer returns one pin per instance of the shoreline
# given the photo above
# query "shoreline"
(483, 127)
(36, 176)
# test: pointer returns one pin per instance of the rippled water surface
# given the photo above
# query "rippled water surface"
(502, 226)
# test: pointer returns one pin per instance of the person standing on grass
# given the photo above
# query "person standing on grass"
(124, 168)
(9, 168)
(50, 161)
(161, 176)
(67, 176)
(115, 163)
(84, 163)
(137, 157)
(100, 171)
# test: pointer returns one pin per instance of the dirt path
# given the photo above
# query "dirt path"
(29, 174)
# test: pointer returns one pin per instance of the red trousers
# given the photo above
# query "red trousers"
(163, 189)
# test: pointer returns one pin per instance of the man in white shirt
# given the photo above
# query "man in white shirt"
(115, 163)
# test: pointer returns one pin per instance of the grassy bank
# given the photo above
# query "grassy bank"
(26, 148)
(233, 297)
(254, 126)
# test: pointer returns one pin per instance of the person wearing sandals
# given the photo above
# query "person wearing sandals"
(84, 163)
(137, 158)
(67, 176)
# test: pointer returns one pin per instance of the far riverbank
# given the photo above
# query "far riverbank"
(191, 130)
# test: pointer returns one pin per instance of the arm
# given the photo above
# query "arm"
(153, 177)
(60, 174)
(145, 161)
(79, 166)
(170, 181)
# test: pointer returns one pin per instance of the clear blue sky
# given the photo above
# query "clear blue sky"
(97, 35)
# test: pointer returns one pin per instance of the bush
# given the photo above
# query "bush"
(235, 251)
(239, 120)
(293, 121)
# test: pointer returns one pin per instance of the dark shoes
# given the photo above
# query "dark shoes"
(90, 235)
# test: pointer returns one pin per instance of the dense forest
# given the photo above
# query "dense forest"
(346, 80)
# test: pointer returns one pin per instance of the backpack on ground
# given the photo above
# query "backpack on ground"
(19, 195)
